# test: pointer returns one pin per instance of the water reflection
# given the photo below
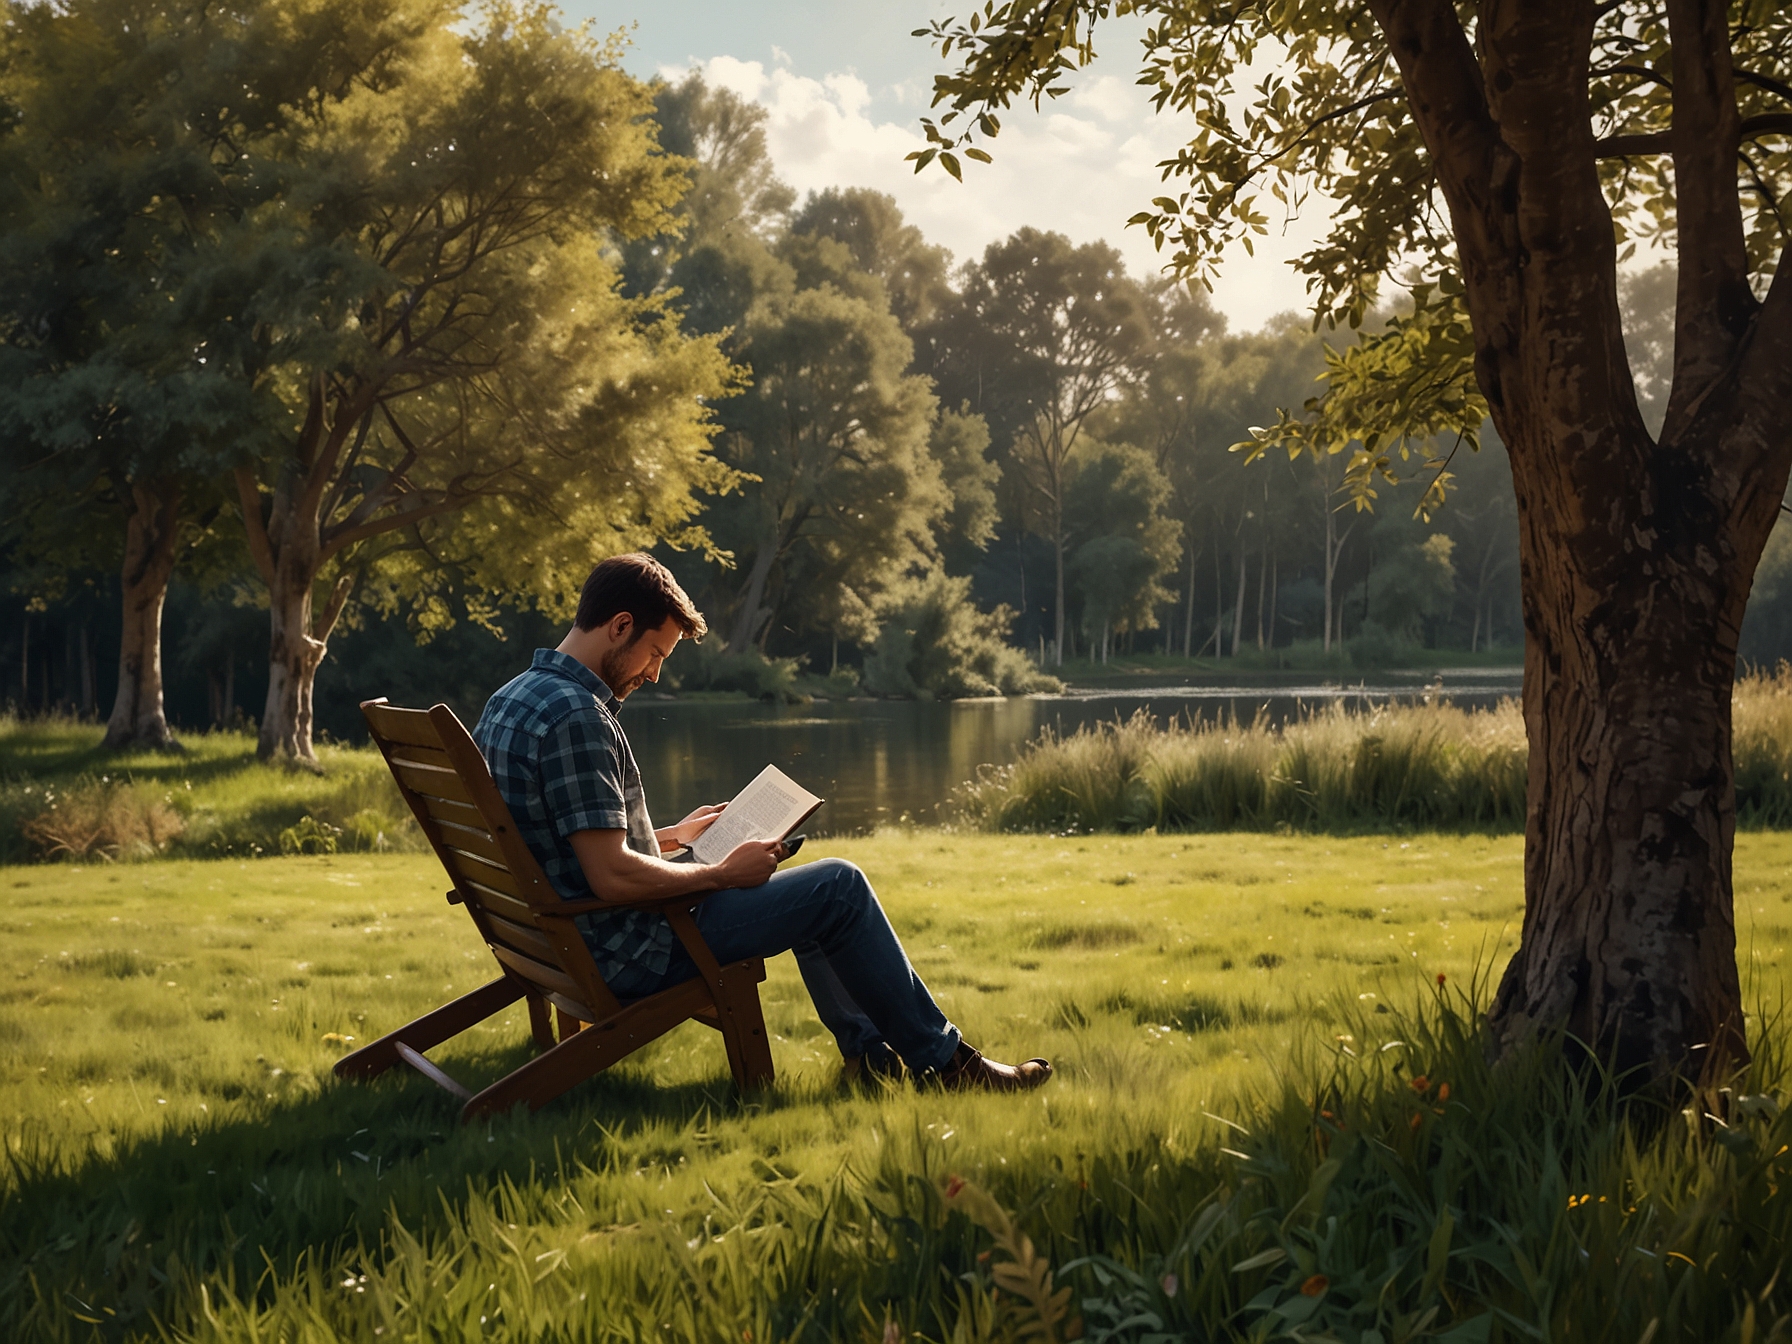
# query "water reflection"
(878, 760)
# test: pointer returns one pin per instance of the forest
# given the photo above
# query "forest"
(878, 468)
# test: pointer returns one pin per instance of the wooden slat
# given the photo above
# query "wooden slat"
(431, 1071)
(409, 726)
(524, 938)
(453, 812)
(477, 843)
(432, 781)
(492, 901)
(470, 872)
(537, 973)
(419, 755)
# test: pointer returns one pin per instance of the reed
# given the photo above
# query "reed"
(1398, 767)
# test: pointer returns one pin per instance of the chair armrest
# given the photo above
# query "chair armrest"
(595, 903)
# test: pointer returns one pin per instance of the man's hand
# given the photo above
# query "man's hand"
(687, 831)
(749, 863)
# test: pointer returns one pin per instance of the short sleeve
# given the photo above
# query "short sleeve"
(581, 775)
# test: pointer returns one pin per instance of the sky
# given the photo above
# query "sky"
(844, 85)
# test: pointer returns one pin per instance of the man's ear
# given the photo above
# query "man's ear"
(620, 626)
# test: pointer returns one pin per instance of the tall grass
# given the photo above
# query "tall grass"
(61, 796)
(1425, 766)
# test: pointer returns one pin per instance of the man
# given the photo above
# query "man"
(563, 764)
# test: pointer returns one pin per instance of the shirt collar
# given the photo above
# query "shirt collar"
(564, 663)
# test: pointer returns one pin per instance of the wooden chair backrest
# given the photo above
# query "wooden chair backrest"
(443, 777)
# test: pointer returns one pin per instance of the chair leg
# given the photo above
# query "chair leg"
(541, 1023)
(589, 1052)
(569, 1025)
(431, 1029)
(743, 1027)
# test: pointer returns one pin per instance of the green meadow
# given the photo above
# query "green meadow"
(1269, 1120)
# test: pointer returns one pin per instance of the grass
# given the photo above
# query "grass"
(1413, 766)
(182, 1165)
(61, 795)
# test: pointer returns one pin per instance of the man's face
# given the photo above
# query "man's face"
(626, 668)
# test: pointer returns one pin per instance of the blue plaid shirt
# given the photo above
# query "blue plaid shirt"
(563, 764)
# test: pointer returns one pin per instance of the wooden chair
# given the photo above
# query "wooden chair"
(530, 930)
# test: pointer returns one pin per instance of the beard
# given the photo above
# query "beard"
(612, 671)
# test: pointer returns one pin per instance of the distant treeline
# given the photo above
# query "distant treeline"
(878, 471)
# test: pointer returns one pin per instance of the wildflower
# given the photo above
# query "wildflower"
(1314, 1286)
(953, 1185)
(1421, 1083)
(1440, 979)
(1415, 1120)
(1169, 1284)
(1443, 1091)
(892, 1333)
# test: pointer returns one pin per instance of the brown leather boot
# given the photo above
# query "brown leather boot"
(967, 1070)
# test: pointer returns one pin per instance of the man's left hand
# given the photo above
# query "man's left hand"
(686, 831)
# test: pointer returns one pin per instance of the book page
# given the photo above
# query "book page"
(769, 808)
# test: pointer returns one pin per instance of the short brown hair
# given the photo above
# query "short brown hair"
(645, 589)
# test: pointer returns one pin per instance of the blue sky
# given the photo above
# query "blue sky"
(844, 85)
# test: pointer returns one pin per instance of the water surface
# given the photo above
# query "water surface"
(884, 760)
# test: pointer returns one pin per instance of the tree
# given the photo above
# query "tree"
(1061, 330)
(1512, 151)
(1124, 542)
(113, 172)
(911, 269)
(835, 431)
(447, 378)
(832, 432)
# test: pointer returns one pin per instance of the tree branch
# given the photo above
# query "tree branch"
(249, 500)
(1714, 307)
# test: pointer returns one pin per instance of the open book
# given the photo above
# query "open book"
(769, 808)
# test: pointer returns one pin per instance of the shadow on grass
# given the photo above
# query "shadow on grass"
(1390, 1184)
(103, 1236)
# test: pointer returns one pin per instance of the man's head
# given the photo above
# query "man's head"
(632, 613)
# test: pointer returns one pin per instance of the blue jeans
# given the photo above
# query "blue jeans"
(827, 913)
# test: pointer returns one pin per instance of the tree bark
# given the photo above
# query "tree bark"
(1636, 556)
(138, 718)
(751, 613)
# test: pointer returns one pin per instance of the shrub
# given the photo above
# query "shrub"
(935, 644)
(101, 818)
(713, 666)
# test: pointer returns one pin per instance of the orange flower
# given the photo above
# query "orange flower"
(1314, 1286)
(1443, 1091)
(1440, 977)
(1421, 1084)
(1415, 1121)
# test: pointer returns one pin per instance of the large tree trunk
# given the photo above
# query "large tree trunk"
(1629, 941)
(138, 718)
(1636, 556)
(294, 655)
(751, 612)
(289, 551)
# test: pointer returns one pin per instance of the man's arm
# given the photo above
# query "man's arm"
(617, 873)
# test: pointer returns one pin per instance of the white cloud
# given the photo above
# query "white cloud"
(1081, 166)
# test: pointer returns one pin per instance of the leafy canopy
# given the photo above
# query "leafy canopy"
(1295, 100)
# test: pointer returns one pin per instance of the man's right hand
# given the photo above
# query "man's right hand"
(750, 863)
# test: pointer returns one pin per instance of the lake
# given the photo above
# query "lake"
(880, 761)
